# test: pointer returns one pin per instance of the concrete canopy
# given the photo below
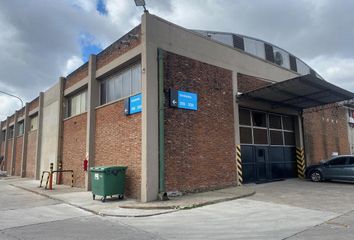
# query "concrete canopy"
(300, 93)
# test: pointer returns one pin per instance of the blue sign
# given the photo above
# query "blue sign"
(135, 104)
(185, 100)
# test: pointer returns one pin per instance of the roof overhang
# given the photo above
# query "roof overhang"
(300, 93)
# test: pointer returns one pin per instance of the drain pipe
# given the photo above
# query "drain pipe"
(162, 193)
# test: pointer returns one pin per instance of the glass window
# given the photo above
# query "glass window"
(11, 132)
(274, 121)
(338, 161)
(260, 136)
(122, 84)
(351, 160)
(288, 123)
(281, 57)
(34, 123)
(254, 47)
(289, 138)
(301, 67)
(3, 135)
(136, 79)
(21, 128)
(245, 117)
(259, 119)
(246, 135)
(77, 104)
(276, 137)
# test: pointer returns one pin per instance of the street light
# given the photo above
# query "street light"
(141, 3)
(13, 96)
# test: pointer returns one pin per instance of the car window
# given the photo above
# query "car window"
(338, 161)
(351, 160)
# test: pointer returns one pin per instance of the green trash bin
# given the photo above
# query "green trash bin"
(108, 181)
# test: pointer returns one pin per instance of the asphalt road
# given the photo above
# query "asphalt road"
(282, 210)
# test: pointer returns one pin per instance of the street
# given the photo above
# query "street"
(291, 209)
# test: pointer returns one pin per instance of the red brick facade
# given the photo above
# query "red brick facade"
(326, 131)
(31, 154)
(118, 142)
(199, 145)
(74, 149)
(19, 142)
(118, 48)
(76, 76)
(34, 104)
(246, 83)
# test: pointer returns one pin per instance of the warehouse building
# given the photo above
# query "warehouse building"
(185, 110)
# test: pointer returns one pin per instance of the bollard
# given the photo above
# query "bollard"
(51, 177)
(60, 166)
(40, 183)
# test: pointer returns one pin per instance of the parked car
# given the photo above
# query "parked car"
(337, 168)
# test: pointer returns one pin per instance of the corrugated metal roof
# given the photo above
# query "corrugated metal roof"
(301, 92)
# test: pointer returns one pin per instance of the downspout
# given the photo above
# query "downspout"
(162, 193)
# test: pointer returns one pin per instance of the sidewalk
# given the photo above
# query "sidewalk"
(129, 207)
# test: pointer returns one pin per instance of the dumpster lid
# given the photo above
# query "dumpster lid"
(107, 168)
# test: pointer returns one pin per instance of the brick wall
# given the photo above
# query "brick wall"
(326, 131)
(118, 48)
(76, 76)
(34, 104)
(9, 156)
(246, 83)
(118, 142)
(31, 153)
(19, 142)
(74, 149)
(199, 145)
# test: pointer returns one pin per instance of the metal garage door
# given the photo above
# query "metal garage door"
(267, 146)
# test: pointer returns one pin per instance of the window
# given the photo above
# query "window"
(77, 104)
(3, 135)
(259, 119)
(276, 137)
(246, 135)
(338, 161)
(351, 160)
(301, 67)
(21, 128)
(33, 123)
(288, 123)
(11, 132)
(274, 121)
(254, 47)
(122, 84)
(281, 57)
(245, 117)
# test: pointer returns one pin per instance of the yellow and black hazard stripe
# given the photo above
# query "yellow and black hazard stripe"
(239, 165)
(300, 160)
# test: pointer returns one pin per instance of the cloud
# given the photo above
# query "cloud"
(71, 64)
(339, 71)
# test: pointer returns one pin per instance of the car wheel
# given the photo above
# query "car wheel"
(316, 176)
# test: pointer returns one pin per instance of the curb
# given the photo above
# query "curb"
(177, 207)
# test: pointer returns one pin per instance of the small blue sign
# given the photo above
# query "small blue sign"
(135, 104)
(186, 100)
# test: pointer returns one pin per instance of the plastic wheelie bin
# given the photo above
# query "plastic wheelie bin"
(108, 181)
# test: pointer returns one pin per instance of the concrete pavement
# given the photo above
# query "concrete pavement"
(291, 209)
(129, 207)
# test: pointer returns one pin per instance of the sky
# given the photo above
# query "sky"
(42, 40)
